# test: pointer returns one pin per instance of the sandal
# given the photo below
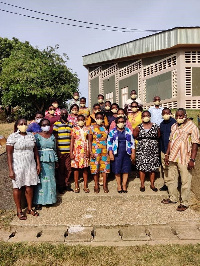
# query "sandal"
(77, 190)
(21, 216)
(86, 190)
(168, 201)
(38, 207)
(105, 190)
(182, 208)
(32, 212)
(96, 190)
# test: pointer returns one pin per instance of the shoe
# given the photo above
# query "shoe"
(105, 189)
(120, 191)
(96, 190)
(182, 208)
(68, 188)
(154, 189)
(142, 189)
(77, 190)
(124, 191)
(168, 201)
(163, 188)
(86, 190)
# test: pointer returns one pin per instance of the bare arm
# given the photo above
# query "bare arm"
(37, 158)
(136, 132)
(193, 156)
(72, 148)
(159, 133)
(9, 150)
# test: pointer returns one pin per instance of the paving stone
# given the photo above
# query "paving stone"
(134, 233)
(107, 234)
(187, 232)
(161, 232)
(79, 234)
(26, 235)
(4, 235)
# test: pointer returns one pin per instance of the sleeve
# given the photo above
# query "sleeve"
(110, 141)
(11, 140)
(195, 135)
(73, 132)
(88, 121)
(112, 125)
(106, 121)
(132, 141)
(55, 128)
(29, 129)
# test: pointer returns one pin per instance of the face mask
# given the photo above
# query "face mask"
(166, 117)
(55, 105)
(133, 96)
(22, 128)
(82, 104)
(180, 120)
(45, 128)
(81, 123)
(51, 112)
(74, 112)
(157, 103)
(107, 107)
(114, 111)
(146, 119)
(76, 97)
(134, 109)
(100, 100)
(99, 121)
(37, 120)
(121, 115)
(96, 111)
(120, 125)
(64, 117)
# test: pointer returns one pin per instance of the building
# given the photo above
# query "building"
(165, 64)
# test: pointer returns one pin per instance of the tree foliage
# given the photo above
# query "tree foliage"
(30, 78)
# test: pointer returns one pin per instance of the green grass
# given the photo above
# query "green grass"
(47, 254)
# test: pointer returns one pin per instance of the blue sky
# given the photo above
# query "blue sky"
(76, 42)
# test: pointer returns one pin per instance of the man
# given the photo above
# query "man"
(165, 130)
(62, 133)
(100, 99)
(180, 157)
(74, 100)
(156, 111)
(127, 105)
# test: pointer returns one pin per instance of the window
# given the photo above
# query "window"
(109, 97)
(124, 93)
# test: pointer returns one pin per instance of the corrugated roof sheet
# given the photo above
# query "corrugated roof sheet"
(159, 41)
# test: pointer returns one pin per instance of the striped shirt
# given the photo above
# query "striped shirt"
(64, 135)
(181, 139)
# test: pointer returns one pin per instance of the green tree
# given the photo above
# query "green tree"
(29, 78)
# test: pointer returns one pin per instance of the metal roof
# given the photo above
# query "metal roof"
(156, 42)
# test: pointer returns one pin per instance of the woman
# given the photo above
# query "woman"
(83, 110)
(120, 113)
(135, 117)
(23, 170)
(114, 110)
(52, 117)
(72, 117)
(54, 103)
(45, 192)
(107, 108)
(79, 152)
(121, 149)
(147, 152)
(34, 126)
(99, 159)
(91, 119)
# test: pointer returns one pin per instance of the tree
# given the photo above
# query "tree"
(30, 78)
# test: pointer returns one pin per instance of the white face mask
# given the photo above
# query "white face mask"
(180, 120)
(22, 128)
(166, 117)
(76, 97)
(82, 104)
(146, 119)
(100, 100)
(37, 120)
(134, 109)
(55, 105)
(120, 125)
(121, 115)
(133, 96)
(81, 123)
(45, 128)
(74, 112)
(157, 103)
(114, 110)
(96, 111)
(107, 107)
(99, 121)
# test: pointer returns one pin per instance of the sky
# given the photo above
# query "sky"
(78, 41)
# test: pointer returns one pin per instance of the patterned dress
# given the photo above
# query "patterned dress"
(101, 163)
(147, 152)
(24, 165)
(80, 147)
(45, 192)
(73, 119)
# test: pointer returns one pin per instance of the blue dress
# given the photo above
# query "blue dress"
(122, 162)
(45, 191)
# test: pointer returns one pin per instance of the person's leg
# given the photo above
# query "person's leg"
(118, 179)
(172, 182)
(76, 176)
(142, 178)
(29, 196)
(85, 179)
(152, 180)
(186, 179)
(124, 181)
(164, 169)
(67, 171)
(17, 198)
(96, 183)
(61, 174)
(105, 187)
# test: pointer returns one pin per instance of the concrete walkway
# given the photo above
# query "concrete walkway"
(110, 219)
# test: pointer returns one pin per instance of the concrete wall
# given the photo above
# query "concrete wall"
(94, 90)
(196, 81)
(109, 86)
(131, 82)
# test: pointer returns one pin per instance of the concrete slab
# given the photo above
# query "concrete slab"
(187, 232)
(79, 234)
(27, 235)
(106, 234)
(161, 232)
(134, 233)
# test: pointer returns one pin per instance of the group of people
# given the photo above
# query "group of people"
(43, 154)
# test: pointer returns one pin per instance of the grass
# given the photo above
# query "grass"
(6, 216)
(48, 254)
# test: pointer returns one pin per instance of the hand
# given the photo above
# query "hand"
(112, 158)
(38, 169)
(57, 165)
(72, 156)
(132, 157)
(88, 154)
(166, 160)
(12, 175)
(190, 165)
(92, 155)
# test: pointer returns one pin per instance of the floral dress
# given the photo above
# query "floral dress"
(45, 192)
(73, 119)
(101, 162)
(80, 147)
